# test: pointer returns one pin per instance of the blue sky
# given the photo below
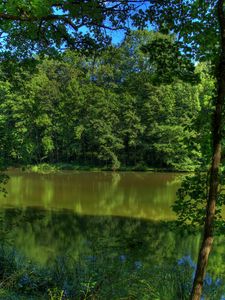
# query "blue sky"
(116, 35)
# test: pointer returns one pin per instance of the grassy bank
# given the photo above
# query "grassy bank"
(97, 277)
(52, 168)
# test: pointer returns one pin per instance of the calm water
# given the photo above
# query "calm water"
(117, 214)
(136, 195)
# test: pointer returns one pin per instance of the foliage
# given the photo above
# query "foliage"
(93, 277)
(169, 63)
(43, 168)
(56, 294)
(117, 108)
(3, 180)
(190, 205)
(99, 277)
(191, 198)
(57, 25)
(51, 25)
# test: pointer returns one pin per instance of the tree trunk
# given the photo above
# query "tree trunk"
(216, 159)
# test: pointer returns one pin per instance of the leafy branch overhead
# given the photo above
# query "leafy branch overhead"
(74, 24)
(87, 24)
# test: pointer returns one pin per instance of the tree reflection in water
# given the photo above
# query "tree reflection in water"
(102, 231)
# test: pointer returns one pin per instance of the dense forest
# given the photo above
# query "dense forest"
(105, 108)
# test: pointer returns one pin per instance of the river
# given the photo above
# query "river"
(123, 216)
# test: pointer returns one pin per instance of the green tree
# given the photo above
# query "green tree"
(188, 19)
(115, 112)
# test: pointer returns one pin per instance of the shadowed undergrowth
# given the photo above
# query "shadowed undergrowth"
(98, 277)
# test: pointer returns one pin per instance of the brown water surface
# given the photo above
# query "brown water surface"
(111, 214)
(137, 195)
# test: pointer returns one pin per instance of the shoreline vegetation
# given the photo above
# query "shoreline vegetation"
(46, 168)
(98, 276)
(26, 280)
(109, 112)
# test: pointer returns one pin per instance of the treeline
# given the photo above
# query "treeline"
(105, 109)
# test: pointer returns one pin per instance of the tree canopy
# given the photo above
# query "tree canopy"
(56, 24)
(118, 109)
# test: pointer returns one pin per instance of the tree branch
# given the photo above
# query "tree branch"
(24, 18)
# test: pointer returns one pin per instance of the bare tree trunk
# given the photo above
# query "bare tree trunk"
(216, 159)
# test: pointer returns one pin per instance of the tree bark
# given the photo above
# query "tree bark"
(217, 121)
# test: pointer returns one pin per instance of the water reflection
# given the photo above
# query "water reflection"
(138, 195)
(43, 236)
(107, 215)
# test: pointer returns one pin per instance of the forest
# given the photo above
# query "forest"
(93, 93)
(110, 109)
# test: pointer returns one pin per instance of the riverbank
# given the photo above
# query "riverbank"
(53, 168)
(97, 277)
(93, 277)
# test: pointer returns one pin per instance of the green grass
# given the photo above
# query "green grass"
(95, 277)
(46, 168)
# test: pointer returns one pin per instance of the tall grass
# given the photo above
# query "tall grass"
(100, 277)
